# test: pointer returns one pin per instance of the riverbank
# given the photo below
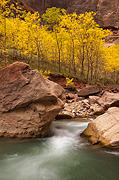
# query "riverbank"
(94, 101)
(88, 102)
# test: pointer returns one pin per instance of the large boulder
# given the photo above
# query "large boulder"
(105, 129)
(28, 102)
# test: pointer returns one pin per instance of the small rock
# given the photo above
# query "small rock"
(93, 99)
(109, 100)
(90, 90)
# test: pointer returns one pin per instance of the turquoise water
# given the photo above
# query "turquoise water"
(64, 156)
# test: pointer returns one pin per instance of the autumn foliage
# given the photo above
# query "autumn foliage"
(57, 41)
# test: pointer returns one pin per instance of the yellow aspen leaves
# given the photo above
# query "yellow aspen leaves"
(74, 43)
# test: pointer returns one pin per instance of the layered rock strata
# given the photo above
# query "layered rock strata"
(28, 102)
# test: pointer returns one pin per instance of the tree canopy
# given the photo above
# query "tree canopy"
(66, 43)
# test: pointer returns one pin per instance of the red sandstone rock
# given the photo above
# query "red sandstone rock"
(28, 102)
(90, 90)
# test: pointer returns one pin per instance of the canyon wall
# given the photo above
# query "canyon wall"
(107, 10)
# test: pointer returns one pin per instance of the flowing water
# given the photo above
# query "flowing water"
(64, 156)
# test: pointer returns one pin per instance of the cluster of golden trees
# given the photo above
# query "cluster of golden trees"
(68, 42)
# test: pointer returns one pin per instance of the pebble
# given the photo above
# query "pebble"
(80, 109)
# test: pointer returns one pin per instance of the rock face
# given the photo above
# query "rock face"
(107, 11)
(42, 5)
(105, 129)
(28, 102)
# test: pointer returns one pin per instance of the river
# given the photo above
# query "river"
(64, 156)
